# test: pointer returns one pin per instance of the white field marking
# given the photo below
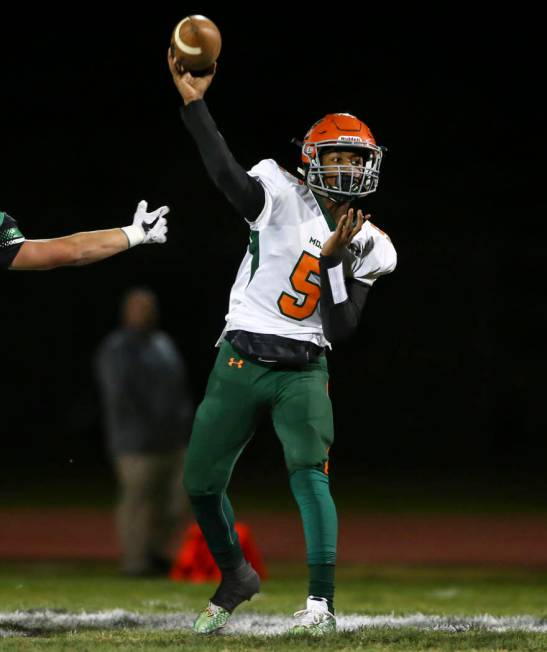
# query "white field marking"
(42, 621)
(444, 594)
(187, 49)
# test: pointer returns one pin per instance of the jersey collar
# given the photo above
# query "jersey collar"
(326, 214)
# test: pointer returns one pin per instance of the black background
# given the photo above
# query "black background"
(447, 369)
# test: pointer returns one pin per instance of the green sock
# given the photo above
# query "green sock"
(215, 517)
(310, 488)
(322, 583)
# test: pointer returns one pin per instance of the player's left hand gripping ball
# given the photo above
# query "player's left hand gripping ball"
(153, 224)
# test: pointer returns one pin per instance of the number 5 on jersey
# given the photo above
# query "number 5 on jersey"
(293, 307)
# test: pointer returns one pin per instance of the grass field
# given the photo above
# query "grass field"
(75, 606)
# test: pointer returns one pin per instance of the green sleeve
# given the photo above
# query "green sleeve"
(11, 240)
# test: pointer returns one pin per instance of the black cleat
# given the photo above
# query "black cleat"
(236, 587)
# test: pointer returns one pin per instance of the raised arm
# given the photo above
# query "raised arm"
(244, 192)
(92, 246)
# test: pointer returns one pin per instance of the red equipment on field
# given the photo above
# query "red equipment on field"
(194, 562)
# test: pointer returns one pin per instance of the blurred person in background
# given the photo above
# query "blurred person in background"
(148, 412)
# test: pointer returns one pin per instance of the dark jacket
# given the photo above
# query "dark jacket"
(145, 392)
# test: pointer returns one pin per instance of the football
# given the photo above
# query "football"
(195, 44)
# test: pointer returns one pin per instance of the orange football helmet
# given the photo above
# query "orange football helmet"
(343, 132)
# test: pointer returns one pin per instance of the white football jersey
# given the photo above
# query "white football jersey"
(277, 288)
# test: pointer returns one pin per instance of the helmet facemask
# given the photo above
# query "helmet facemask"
(350, 181)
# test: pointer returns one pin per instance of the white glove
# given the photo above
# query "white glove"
(147, 228)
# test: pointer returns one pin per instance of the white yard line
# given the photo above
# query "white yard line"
(40, 621)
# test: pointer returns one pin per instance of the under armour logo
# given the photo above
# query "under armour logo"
(237, 363)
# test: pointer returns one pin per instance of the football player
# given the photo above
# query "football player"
(81, 248)
(302, 284)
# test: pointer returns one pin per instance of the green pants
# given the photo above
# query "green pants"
(237, 392)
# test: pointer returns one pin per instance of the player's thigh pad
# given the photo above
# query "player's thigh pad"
(302, 417)
(224, 423)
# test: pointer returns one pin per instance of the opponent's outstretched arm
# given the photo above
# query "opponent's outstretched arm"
(91, 246)
(244, 192)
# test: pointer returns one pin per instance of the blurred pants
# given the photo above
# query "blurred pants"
(151, 508)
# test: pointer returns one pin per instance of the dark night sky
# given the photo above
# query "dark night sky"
(448, 365)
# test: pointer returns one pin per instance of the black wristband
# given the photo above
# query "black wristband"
(330, 261)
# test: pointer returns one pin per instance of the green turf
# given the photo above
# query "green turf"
(444, 591)
(92, 586)
(369, 641)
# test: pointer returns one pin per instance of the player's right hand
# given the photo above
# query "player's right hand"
(153, 224)
(191, 88)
